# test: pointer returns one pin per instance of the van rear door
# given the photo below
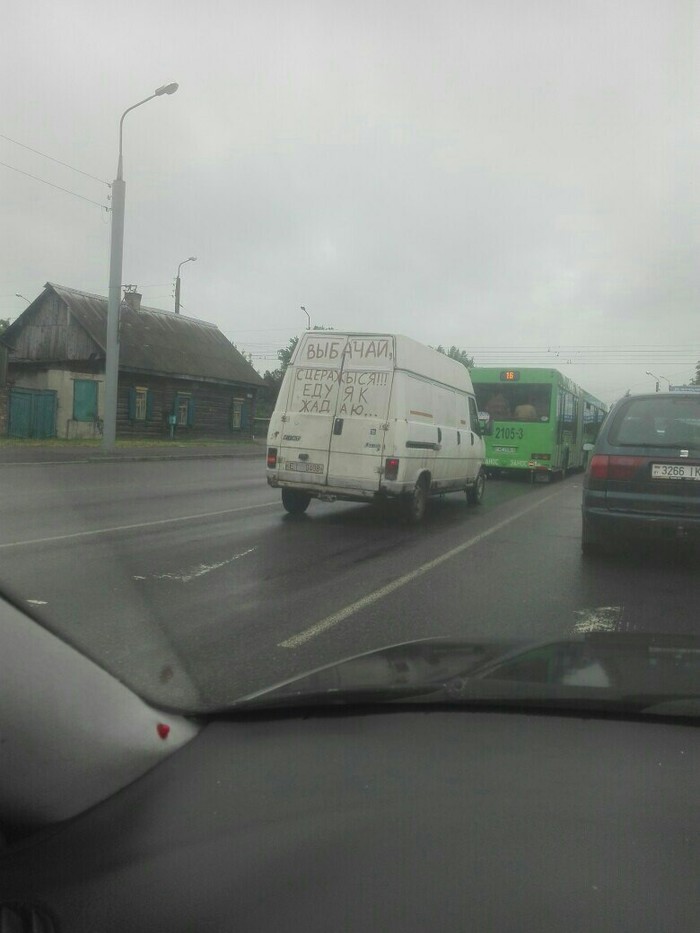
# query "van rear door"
(312, 390)
(357, 438)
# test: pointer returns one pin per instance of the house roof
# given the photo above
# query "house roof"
(160, 341)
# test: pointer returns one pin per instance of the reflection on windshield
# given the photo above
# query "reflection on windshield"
(638, 670)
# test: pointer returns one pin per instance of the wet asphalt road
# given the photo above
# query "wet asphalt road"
(173, 572)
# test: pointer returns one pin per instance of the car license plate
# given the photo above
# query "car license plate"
(299, 466)
(675, 471)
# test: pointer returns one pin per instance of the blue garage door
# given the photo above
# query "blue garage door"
(32, 413)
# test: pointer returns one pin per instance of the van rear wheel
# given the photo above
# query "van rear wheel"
(475, 493)
(295, 501)
(414, 504)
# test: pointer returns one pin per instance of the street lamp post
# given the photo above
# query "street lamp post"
(109, 431)
(177, 282)
(657, 379)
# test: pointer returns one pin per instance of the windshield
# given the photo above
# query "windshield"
(311, 315)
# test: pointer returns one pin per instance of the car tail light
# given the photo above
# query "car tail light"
(598, 467)
(271, 458)
(603, 466)
(391, 468)
(624, 467)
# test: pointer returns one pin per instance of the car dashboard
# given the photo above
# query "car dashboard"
(376, 818)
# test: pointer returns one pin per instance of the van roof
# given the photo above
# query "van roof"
(409, 355)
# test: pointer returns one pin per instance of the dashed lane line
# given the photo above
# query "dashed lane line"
(330, 621)
(135, 525)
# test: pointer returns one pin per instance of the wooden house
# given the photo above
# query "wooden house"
(172, 368)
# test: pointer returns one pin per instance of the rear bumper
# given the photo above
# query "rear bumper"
(601, 525)
(348, 493)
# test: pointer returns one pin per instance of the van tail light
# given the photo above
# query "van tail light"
(271, 458)
(603, 466)
(391, 468)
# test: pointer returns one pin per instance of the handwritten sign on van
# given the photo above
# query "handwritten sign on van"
(337, 351)
(359, 393)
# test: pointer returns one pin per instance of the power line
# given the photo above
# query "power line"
(58, 161)
(51, 185)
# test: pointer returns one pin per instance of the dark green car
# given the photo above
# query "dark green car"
(643, 478)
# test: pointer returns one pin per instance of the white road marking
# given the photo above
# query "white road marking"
(160, 521)
(37, 602)
(199, 570)
(598, 619)
(296, 640)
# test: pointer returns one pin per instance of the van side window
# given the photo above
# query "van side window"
(473, 416)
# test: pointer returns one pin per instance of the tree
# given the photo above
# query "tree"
(696, 380)
(248, 357)
(456, 353)
(4, 324)
(285, 354)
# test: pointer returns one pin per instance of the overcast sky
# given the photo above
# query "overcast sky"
(503, 176)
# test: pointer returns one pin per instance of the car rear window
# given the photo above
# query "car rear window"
(658, 422)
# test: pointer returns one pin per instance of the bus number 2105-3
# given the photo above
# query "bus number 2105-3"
(508, 434)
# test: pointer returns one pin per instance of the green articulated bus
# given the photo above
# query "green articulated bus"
(536, 420)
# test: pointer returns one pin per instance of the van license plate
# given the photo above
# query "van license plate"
(675, 471)
(299, 466)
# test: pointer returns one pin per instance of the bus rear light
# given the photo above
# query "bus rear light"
(391, 468)
(271, 458)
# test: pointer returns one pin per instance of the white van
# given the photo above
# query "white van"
(363, 417)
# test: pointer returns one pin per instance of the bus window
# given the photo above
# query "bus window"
(509, 402)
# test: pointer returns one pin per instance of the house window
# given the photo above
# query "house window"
(140, 406)
(140, 403)
(184, 410)
(84, 400)
(237, 414)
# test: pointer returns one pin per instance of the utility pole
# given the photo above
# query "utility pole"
(177, 282)
(109, 429)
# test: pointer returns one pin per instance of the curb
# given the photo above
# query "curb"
(138, 458)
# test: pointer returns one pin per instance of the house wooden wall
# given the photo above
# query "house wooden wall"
(213, 407)
(4, 409)
(53, 334)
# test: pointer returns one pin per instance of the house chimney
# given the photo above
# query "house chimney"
(132, 298)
